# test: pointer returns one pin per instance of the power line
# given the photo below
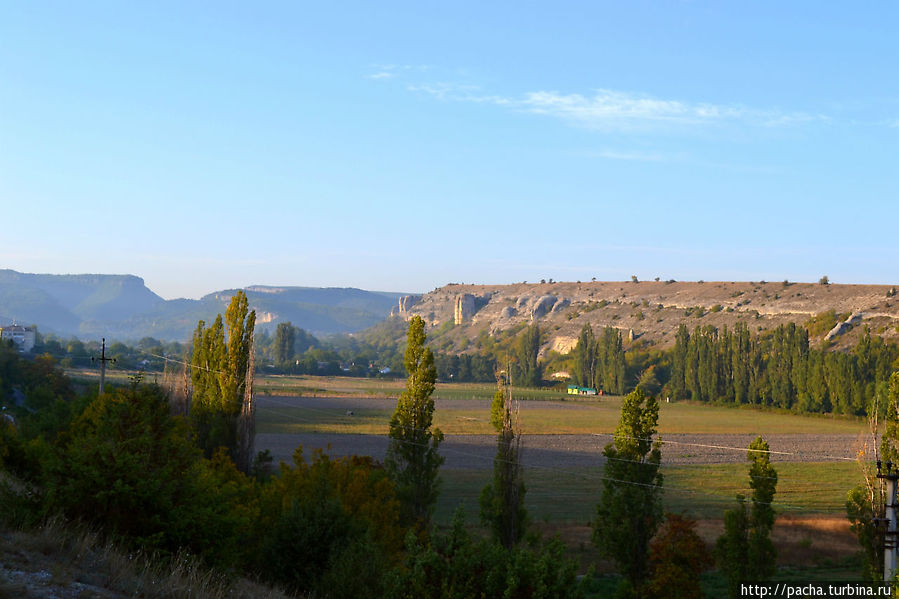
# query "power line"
(768, 451)
(334, 412)
(587, 476)
(661, 439)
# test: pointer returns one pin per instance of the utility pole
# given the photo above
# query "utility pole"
(103, 360)
(891, 535)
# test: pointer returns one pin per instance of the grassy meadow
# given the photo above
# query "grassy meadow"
(543, 411)
(569, 495)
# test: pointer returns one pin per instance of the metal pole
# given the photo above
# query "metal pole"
(891, 534)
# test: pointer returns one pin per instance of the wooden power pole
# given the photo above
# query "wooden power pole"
(103, 360)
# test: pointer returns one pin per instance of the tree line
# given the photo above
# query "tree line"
(779, 369)
(600, 363)
(734, 366)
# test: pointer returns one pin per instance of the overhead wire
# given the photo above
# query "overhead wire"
(768, 451)
(587, 476)
(331, 412)
(661, 439)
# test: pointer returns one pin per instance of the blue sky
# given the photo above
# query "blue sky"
(402, 146)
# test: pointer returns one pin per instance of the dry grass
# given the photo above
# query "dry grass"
(55, 560)
(801, 541)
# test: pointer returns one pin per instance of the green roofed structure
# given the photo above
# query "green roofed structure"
(575, 390)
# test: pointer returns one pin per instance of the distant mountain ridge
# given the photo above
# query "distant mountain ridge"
(122, 307)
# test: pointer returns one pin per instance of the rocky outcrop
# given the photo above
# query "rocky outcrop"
(464, 308)
(542, 306)
(404, 305)
(466, 305)
(842, 327)
(560, 305)
(563, 344)
(265, 317)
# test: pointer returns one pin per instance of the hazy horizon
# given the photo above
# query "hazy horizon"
(425, 291)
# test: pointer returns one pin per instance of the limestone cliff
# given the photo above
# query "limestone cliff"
(650, 312)
(404, 304)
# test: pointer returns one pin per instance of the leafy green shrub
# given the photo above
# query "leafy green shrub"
(124, 461)
(127, 467)
(456, 566)
(330, 527)
(16, 455)
(307, 536)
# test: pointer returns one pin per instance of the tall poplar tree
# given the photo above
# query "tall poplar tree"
(679, 362)
(745, 551)
(412, 458)
(502, 502)
(220, 375)
(527, 349)
(585, 358)
(610, 361)
(285, 340)
(630, 511)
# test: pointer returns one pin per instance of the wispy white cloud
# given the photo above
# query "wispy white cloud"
(604, 109)
(610, 109)
(617, 110)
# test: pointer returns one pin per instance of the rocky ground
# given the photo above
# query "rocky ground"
(58, 561)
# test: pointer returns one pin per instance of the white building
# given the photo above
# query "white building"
(22, 337)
